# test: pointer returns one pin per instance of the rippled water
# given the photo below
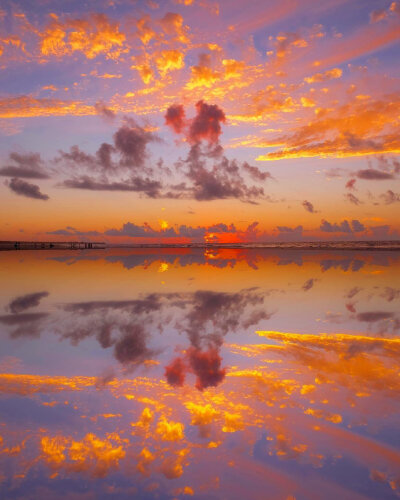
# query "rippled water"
(231, 374)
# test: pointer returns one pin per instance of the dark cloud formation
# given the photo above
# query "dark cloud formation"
(135, 184)
(123, 165)
(307, 205)
(371, 174)
(223, 180)
(206, 125)
(175, 118)
(29, 166)
(20, 304)
(126, 157)
(17, 319)
(25, 324)
(175, 372)
(131, 142)
(127, 327)
(131, 347)
(355, 226)
(211, 175)
(206, 365)
(26, 189)
(372, 317)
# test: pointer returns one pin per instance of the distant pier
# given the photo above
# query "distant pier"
(51, 245)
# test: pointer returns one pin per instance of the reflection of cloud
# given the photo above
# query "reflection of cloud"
(20, 304)
(308, 284)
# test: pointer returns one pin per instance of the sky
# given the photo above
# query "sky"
(192, 120)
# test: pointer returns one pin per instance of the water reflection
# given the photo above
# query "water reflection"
(218, 374)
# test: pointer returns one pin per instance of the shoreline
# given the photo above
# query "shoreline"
(310, 245)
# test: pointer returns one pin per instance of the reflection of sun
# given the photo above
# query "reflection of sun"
(163, 267)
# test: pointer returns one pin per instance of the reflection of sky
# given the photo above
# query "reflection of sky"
(126, 375)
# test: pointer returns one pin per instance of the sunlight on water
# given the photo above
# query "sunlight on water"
(217, 374)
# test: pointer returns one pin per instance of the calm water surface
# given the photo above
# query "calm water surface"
(232, 374)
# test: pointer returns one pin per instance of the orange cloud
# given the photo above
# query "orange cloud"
(323, 77)
(169, 60)
(92, 36)
(359, 128)
(28, 106)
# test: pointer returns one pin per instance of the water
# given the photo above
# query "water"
(192, 373)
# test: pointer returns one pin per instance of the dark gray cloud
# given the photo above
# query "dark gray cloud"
(222, 179)
(372, 174)
(309, 206)
(131, 142)
(135, 184)
(29, 166)
(20, 304)
(372, 317)
(24, 188)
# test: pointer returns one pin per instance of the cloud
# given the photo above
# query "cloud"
(378, 15)
(26, 106)
(131, 142)
(131, 347)
(343, 227)
(20, 304)
(29, 166)
(372, 317)
(93, 35)
(175, 118)
(323, 77)
(206, 365)
(225, 178)
(389, 197)
(308, 284)
(360, 127)
(374, 175)
(169, 60)
(352, 199)
(307, 205)
(135, 184)
(105, 112)
(24, 188)
(290, 233)
(206, 125)
(175, 372)
(351, 184)
(130, 148)
(133, 230)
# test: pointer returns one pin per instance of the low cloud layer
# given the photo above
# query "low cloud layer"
(26, 189)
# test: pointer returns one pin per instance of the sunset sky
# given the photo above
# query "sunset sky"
(199, 120)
